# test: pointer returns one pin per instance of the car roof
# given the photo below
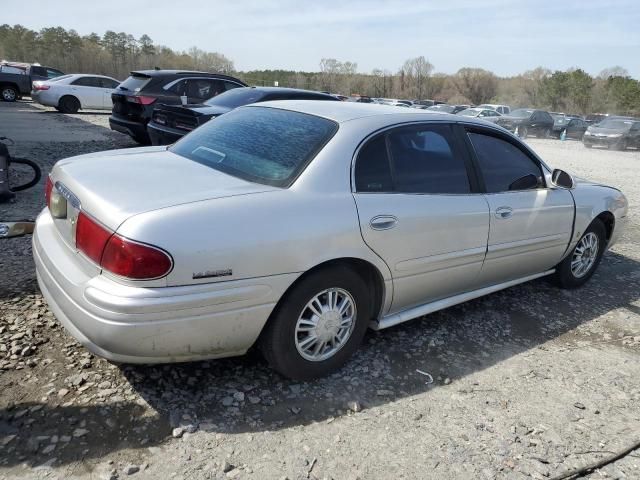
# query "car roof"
(288, 90)
(341, 112)
(160, 73)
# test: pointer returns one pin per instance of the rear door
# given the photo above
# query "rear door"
(89, 91)
(420, 212)
(107, 85)
(529, 229)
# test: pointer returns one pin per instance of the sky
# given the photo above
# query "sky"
(506, 37)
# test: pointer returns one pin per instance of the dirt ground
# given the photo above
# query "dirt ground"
(529, 382)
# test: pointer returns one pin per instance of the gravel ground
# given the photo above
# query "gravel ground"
(527, 383)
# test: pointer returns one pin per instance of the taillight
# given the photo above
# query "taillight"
(135, 260)
(91, 237)
(47, 191)
(40, 87)
(120, 255)
(141, 99)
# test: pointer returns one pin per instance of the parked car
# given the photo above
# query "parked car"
(136, 97)
(501, 109)
(484, 113)
(169, 123)
(424, 104)
(70, 93)
(16, 78)
(574, 127)
(281, 224)
(359, 99)
(614, 132)
(445, 108)
(527, 121)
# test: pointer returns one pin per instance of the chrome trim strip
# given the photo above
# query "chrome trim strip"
(419, 311)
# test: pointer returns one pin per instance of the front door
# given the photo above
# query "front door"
(419, 212)
(530, 225)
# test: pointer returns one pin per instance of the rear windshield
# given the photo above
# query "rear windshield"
(258, 144)
(615, 124)
(442, 108)
(236, 97)
(134, 83)
(522, 113)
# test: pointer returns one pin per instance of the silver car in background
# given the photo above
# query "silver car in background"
(296, 225)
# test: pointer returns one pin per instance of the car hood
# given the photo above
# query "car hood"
(116, 185)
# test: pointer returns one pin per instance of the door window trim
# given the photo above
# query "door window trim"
(507, 137)
(459, 148)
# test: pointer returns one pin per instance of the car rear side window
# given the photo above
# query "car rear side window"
(87, 82)
(424, 160)
(262, 145)
(501, 163)
(373, 172)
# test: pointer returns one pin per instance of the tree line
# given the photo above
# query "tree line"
(117, 53)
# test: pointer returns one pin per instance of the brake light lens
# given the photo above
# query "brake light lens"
(141, 99)
(40, 87)
(91, 237)
(135, 260)
(119, 255)
(48, 188)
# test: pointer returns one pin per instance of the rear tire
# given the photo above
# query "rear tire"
(8, 93)
(287, 342)
(69, 104)
(578, 267)
(523, 132)
(546, 133)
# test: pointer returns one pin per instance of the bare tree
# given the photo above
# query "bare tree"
(476, 84)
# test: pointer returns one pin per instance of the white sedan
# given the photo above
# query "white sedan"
(70, 93)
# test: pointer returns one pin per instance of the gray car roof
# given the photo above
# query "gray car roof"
(341, 112)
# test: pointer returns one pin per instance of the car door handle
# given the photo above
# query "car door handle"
(383, 222)
(504, 212)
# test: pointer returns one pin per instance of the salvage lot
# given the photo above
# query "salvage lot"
(528, 382)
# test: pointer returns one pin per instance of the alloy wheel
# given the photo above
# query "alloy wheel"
(325, 324)
(8, 94)
(584, 255)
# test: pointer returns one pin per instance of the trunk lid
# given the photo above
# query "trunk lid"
(116, 185)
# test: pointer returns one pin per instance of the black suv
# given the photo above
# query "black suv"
(527, 121)
(171, 122)
(136, 97)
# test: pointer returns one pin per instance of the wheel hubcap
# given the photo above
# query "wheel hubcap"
(584, 255)
(325, 324)
(8, 94)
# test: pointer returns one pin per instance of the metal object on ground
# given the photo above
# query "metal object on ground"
(16, 229)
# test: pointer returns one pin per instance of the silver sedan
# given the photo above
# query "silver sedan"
(297, 225)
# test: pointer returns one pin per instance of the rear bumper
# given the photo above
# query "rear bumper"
(600, 141)
(160, 135)
(44, 97)
(129, 127)
(151, 325)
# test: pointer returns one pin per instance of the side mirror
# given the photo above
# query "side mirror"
(528, 182)
(15, 229)
(562, 179)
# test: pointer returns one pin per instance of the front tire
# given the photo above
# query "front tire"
(318, 325)
(578, 267)
(546, 133)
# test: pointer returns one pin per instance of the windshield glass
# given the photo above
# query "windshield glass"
(258, 144)
(134, 83)
(236, 98)
(57, 79)
(522, 113)
(469, 112)
(615, 124)
(442, 108)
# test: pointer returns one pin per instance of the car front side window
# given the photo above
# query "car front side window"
(504, 166)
